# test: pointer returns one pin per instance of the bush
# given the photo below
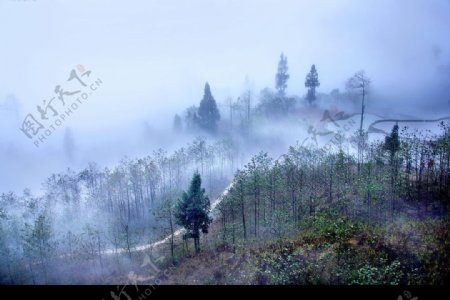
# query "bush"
(384, 273)
(333, 227)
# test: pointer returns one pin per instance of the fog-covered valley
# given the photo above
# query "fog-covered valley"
(114, 116)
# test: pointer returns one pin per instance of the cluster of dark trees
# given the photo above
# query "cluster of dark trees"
(205, 117)
(83, 216)
(271, 104)
(407, 173)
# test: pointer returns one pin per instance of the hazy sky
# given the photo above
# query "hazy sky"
(155, 56)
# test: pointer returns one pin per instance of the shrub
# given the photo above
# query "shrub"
(333, 227)
(383, 273)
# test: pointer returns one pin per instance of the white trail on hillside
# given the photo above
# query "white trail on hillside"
(167, 238)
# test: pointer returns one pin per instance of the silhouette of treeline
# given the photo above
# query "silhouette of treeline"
(271, 104)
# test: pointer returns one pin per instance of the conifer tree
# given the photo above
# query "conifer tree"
(208, 113)
(312, 82)
(282, 75)
(192, 211)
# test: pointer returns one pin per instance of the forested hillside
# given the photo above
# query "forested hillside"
(222, 142)
(308, 217)
(316, 217)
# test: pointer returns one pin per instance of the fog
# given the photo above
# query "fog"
(115, 74)
(154, 57)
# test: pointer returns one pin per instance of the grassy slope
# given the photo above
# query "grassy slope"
(329, 250)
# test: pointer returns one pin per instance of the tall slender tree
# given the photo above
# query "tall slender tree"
(360, 83)
(312, 82)
(208, 113)
(282, 75)
(392, 145)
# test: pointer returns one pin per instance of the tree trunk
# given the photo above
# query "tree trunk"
(171, 238)
(241, 193)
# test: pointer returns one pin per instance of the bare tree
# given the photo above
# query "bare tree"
(359, 83)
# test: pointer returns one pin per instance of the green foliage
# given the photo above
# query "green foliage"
(287, 265)
(434, 250)
(90, 241)
(192, 210)
(383, 273)
(274, 105)
(333, 227)
(366, 213)
(38, 238)
(392, 142)
(38, 244)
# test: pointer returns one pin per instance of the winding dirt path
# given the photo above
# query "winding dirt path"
(167, 238)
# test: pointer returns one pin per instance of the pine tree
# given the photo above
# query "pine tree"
(208, 113)
(392, 143)
(192, 211)
(282, 75)
(312, 82)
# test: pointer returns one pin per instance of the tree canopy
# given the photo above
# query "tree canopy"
(312, 82)
(192, 211)
(208, 113)
(282, 75)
